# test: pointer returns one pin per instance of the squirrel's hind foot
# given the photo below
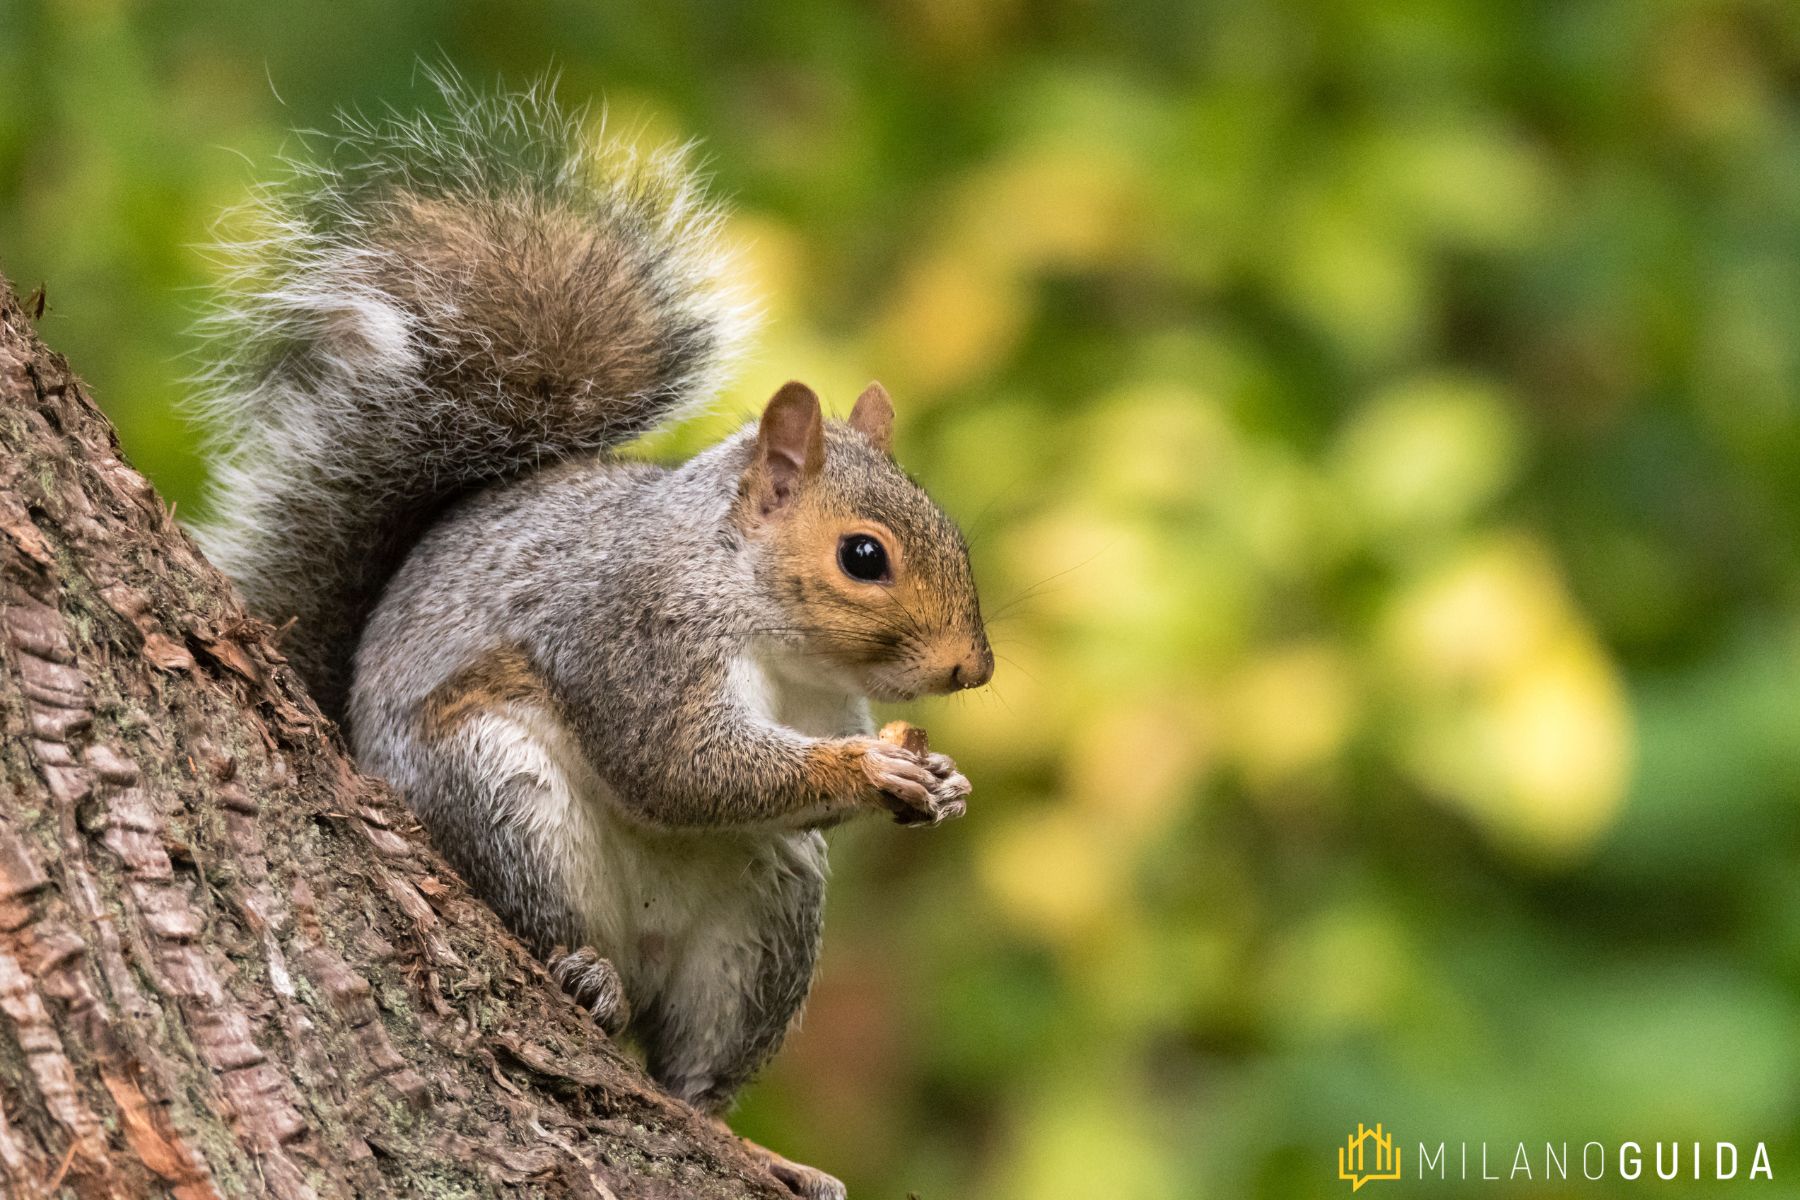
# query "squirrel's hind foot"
(808, 1183)
(595, 985)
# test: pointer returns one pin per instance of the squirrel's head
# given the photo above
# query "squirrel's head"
(872, 578)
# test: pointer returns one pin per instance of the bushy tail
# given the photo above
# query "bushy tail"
(466, 297)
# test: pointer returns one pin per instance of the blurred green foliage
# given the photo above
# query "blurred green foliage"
(1379, 428)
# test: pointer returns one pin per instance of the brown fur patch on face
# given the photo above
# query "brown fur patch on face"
(854, 622)
(916, 626)
(504, 674)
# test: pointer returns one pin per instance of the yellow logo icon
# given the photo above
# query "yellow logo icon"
(1368, 1154)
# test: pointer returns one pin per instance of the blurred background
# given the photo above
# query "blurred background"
(1378, 428)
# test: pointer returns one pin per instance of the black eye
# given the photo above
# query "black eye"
(864, 558)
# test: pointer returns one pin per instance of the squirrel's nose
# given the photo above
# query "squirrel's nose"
(974, 670)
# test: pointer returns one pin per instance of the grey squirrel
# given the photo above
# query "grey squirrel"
(623, 699)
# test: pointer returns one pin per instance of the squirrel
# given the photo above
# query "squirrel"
(623, 699)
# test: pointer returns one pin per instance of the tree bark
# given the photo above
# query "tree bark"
(229, 965)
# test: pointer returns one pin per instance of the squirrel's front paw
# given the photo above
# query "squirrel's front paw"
(951, 788)
(945, 789)
(903, 782)
(595, 985)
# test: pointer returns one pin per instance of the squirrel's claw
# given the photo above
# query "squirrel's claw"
(806, 1182)
(952, 790)
(944, 788)
(949, 791)
(594, 984)
(904, 783)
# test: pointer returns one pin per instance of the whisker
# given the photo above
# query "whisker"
(1038, 589)
(844, 637)
(993, 689)
(1014, 664)
(912, 619)
(977, 528)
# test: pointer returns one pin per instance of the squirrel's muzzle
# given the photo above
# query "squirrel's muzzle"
(975, 669)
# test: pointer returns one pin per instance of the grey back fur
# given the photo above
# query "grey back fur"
(467, 298)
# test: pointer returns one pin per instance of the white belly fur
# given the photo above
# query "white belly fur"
(678, 913)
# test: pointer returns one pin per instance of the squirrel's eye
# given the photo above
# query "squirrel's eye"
(864, 558)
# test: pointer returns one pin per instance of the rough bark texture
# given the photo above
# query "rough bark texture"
(229, 965)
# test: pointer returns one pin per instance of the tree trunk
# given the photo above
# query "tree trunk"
(230, 965)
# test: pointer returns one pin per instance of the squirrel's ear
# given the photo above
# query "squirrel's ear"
(873, 417)
(790, 446)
